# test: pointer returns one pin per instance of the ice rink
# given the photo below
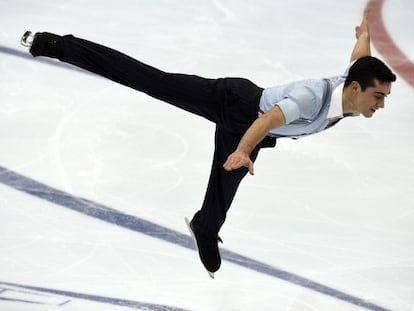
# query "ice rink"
(96, 178)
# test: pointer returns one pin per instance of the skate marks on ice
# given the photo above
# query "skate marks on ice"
(52, 297)
(112, 216)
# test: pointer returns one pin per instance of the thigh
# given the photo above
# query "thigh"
(241, 107)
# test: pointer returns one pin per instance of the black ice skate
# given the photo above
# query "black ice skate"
(42, 44)
(207, 248)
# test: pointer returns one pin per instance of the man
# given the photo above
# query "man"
(247, 117)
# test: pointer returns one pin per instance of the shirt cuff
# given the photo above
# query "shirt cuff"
(290, 109)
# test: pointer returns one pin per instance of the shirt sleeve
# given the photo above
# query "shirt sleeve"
(300, 102)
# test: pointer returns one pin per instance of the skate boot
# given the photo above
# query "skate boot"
(207, 248)
(42, 43)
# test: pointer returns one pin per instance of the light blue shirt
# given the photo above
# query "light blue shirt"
(305, 105)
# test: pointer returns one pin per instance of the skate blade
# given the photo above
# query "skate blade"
(211, 274)
(27, 39)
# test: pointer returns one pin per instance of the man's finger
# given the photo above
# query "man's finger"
(250, 166)
(230, 164)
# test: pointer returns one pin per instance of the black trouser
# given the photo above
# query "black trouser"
(231, 103)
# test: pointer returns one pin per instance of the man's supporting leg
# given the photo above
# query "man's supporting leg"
(221, 190)
(222, 185)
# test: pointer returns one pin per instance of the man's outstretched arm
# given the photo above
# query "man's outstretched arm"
(362, 46)
(254, 135)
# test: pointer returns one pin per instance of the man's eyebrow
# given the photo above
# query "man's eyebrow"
(383, 94)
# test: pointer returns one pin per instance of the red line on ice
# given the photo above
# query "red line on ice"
(386, 46)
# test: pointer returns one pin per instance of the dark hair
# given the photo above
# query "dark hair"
(367, 69)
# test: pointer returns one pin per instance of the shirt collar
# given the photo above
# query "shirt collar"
(335, 109)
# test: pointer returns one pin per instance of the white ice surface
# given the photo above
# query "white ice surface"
(336, 207)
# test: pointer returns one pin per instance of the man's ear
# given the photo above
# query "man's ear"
(355, 86)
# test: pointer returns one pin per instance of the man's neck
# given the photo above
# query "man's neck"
(347, 104)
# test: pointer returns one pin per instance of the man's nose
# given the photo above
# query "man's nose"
(380, 103)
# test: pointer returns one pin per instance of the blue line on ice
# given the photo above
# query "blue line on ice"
(109, 215)
(44, 60)
(101, 299)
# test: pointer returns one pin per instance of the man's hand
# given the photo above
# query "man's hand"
(238, 159)
(363, 29)
(362, 46)
(274, 118)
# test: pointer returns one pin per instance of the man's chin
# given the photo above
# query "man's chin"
(369, 114)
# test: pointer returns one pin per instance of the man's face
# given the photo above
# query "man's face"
(373, 98)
